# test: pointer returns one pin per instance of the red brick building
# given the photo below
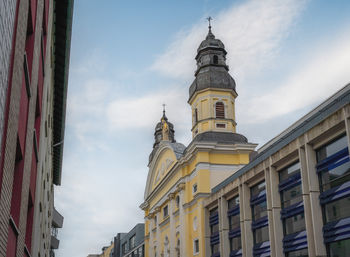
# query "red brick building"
(34, 60)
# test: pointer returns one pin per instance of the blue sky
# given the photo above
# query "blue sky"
(129, 57)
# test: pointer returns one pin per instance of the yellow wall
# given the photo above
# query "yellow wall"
(204, 102)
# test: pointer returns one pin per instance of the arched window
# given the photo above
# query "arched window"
(195, 115)
(215, 59)
(220, 110)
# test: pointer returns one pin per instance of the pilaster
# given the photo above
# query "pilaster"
(246, 220)
(172, 237)
(312, 207)
(274, 210)
(223, 227)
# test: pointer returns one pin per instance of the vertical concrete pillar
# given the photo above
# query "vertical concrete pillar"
(183, 222)
(347, 125)
(207, 233)
(172, 235)
(312, 207)
(223, 227)
(246, 223)
(274, 210)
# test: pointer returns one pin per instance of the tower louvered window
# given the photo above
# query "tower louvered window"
(220, 110)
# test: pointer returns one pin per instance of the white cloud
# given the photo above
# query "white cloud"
(146, 111)
(251, 31)
(315, 79)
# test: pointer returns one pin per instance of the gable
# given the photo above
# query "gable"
(164, 159)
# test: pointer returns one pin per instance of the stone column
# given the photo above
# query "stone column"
(158, 242)
(150, 242)
(312, 207)
(274, 210)
(246, 220)
(183, 221)
(172, 234)
(223, 227)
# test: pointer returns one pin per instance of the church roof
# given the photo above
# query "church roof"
(221, 137)
(211, 73)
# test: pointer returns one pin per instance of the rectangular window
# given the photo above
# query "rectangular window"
(294, 224)
(333, 167)
(233, 202)
(340, 248)
(235, 243)
(298, 253)
(132, 242)
(261, 235)
(234, 221)
(165, 212)
(259, 213)
(195, 246)
(124, 247)
(215, 249)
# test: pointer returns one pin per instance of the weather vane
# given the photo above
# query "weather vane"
(164, 107)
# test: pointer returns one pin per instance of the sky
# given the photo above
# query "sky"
(128, 57)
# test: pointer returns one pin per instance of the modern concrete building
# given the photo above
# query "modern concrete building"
(293, 199)
(132, 243)
(34, 61)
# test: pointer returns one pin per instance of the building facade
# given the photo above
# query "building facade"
(293, 199)
(132, 243)
(35, 46)
(181, 178)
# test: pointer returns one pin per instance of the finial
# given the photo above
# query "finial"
(210, 34)
(209, 19)
(164, 108)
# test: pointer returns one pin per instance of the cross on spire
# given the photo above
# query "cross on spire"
(164, 108)
(209, 19)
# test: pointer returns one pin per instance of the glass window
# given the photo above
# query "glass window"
(215, 249)
(338, 209)
(235, 243)
(165, 211)
(289, 171)
(335, 177)
(258, 188)
(124, 247)
(291, 196)
(261, 235)
(196, 246)
(213, 212)
(340, 248)
(298, 253)
(233, 202)
(234, 221)
(294, 224)
(214, 228)
(132, 242)
(331, 148)
(194, 188)
(259, 210)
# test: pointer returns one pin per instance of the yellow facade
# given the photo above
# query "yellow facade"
(180, 178)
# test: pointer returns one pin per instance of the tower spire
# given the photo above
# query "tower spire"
(210, 34)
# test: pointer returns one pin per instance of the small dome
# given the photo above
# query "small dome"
(158, 131)
(211, 42)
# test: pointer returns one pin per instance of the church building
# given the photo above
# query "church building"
(181, 177)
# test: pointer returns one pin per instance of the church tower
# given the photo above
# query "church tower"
(181, 178)
(212, 93)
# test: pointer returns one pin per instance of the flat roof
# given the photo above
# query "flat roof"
(308, 121)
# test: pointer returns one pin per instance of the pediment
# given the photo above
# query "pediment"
(164, 159)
